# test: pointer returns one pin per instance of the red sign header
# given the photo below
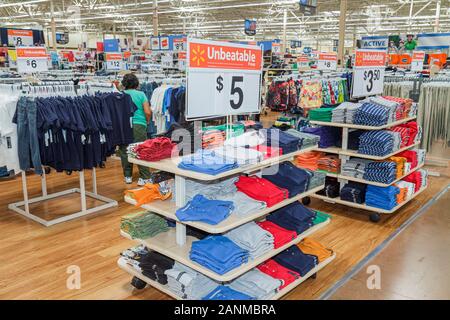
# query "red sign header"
(372, 58)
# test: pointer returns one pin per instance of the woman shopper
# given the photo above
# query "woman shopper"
(140, 121)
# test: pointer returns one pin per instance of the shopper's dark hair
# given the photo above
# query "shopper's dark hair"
(130, 81)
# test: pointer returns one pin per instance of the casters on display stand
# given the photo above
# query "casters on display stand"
(306, 201)
(375, 217)
(314, 276)
(138, 283)
(47, 170)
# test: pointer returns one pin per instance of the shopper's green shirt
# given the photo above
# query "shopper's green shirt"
(138, 98)
(410, 45)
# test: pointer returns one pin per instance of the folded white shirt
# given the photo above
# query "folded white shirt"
(250, 138)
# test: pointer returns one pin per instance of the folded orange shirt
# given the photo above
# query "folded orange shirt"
(150, 192)
(312, 247)
(308, 160)
(400, 161)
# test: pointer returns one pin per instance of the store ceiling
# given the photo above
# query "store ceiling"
(224, 19)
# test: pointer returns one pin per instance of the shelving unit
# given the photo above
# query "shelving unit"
(175, 243)
(345, 154)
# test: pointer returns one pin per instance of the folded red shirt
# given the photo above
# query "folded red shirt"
(155, 149)
(261, 189)
(280, 235)
(277, 271)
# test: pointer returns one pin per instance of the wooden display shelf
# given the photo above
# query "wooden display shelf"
(168, 209)
(366, 207)
(354, 153)
(165, 243)
(361, 127)
(296, 283)
(378, 184)
(135, 273)
(171, 165)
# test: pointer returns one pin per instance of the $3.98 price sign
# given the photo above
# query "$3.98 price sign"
(31, 59)
(368, 73)
(222, 79)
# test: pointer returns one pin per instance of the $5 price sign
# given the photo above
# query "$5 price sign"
(236, 94)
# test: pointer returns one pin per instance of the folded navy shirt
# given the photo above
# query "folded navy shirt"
(289, 177)
(294, 217)
(294, 259)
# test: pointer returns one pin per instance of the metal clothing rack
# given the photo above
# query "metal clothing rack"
(42, 89)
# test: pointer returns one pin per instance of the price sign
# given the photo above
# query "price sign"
(417, 60)
(114, 62)
(167, 60)
(368, 73)
(179, 44)
(31, 59)
(20, 38)
(303, 61)
(182, 60)
(154, 43)
(222, 79)
(276, 48)
(164, 43)
(327, 61)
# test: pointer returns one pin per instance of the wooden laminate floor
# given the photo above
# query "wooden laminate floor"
(35, 259)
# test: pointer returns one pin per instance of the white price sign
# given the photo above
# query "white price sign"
(368, 73)
(417, 60)
(114, 62)
(31, 59)
(179, 44)
(303, 61)
(20, 38)
(182, 61)
(222, 79)
(327, 61)
(167, 60)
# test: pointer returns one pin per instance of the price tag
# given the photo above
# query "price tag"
(20, 38)
(31, 59)
(179, 44)
(327, 61)
(222, 79)
(417, 60)
(368, 73)
(114, 62)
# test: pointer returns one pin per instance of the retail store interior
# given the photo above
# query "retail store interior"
(224, 150)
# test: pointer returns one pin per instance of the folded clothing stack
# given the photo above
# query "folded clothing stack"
(353, 139)
(154, 266)
(421, 154)
(279, 139)
(256, 284)
(250, 125)
(155, 149)
(404, 135)
(407, 190)
(239, 155)
(329, 163)
(218, 253)
(268, 152)
(151, 192)
(382, 171)
(277, 271)
(262, 190)
(315, 248)
(294, 259)
(329, 136)
(280, 235)
(400, 163)
(243, 204)
(188, 283)
(309, 160)
(338, 113)
(392, 106)
(206, 161)
(143, 225)
(405, 109)
(252, 238)
(226, 293)
(321, 114)
(370, 114)
(355, 168)
(350, 111)
(289, 177)
(419, 178)
(307, 139)
(410, 156)
(354, 192)
(212, 139)
(293, 217)
(378, 142)
(211, 190)
(316, 179)
(332, 188)
(248, 139)
(321, 217)
(205, 210)
(382, 197)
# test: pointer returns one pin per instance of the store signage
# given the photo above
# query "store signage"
(375, 42)
(126, 54)
(167, 61)
(276, 48)
(250, 27)
(296, 44)
(114, 62)
(327, 61)
(417, 60)
(20, 38)
(368, 73)
(31, 59)
(222, 79)
(182, 61)
(111, 45)
(303, 61)
(164, 43)
(154, 43)
(307, 50)
(179, 44)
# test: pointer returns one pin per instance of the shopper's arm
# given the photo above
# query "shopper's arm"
(147, 111)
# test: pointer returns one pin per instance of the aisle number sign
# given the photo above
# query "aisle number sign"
(31, 59)
(20, 38)
(368, 73)
(114, 62)
(417, 60)
(222, 79)
(327, 61)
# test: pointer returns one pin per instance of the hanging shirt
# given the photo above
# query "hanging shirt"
(8, 134)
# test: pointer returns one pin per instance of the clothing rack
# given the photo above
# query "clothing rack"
(61, 88)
